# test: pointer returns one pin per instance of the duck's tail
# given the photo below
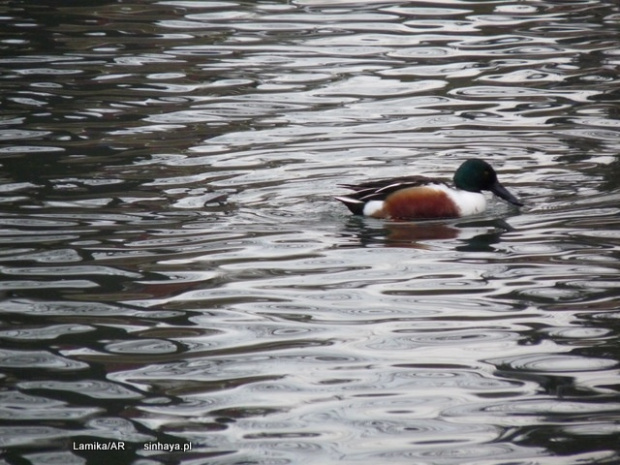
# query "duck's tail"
(354, 205)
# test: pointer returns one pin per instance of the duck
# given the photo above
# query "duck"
(421, 197)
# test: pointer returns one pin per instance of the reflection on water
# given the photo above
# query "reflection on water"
(175, 270)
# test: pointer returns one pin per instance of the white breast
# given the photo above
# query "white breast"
(469, 203)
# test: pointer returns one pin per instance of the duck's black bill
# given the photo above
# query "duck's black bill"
(503, 193)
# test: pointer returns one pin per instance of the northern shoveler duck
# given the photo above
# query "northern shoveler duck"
(419, 197)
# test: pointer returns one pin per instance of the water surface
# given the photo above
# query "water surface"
(176, 271)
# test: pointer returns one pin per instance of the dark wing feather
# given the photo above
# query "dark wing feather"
(380, 189)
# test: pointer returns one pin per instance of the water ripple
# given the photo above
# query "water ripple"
(15, 359)
(76, 309)
(92, 388)
(49, 332)
(553, 363)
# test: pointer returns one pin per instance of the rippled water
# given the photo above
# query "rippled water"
(175, 270)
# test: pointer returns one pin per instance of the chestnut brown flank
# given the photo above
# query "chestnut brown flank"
(420, 202)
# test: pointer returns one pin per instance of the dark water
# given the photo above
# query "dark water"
(175, 272)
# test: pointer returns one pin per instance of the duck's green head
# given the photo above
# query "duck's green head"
(476, 175)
